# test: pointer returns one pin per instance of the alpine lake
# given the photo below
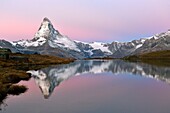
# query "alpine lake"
(94, 86)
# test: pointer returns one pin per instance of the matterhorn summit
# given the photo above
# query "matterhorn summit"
(54, 38)
(46, 30)
(47, 34)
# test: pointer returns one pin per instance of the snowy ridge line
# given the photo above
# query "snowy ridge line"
(48, 40)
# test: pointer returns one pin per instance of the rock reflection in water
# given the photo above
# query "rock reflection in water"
(48, 78)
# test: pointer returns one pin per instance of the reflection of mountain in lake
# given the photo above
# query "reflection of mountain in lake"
(49, 78)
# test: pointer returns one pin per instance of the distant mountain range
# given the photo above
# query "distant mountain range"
(49, 41)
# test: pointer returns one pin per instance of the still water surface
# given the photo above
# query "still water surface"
(95, 87)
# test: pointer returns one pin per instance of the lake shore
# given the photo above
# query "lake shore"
(34, 59)
(13, 71)
(159, 58)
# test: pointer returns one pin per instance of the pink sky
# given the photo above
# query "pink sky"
(85, 20)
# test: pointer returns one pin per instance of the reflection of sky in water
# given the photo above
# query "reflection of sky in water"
(99, 93)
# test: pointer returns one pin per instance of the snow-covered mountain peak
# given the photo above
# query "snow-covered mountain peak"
(54, 38)
(48, 34)
(46, 30)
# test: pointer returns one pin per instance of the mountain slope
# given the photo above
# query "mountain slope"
(156, 43)
(6, 44)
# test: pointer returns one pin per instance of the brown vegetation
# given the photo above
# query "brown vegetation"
(159, 58)
(163, 55)
(34, 60)
(9, 75)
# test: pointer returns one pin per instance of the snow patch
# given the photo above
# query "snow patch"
(28, 43)
(80, 42)
(64, 42)
(101, 46)
(89, 51)
(143, 40)
(149, 37)
(138, 46)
